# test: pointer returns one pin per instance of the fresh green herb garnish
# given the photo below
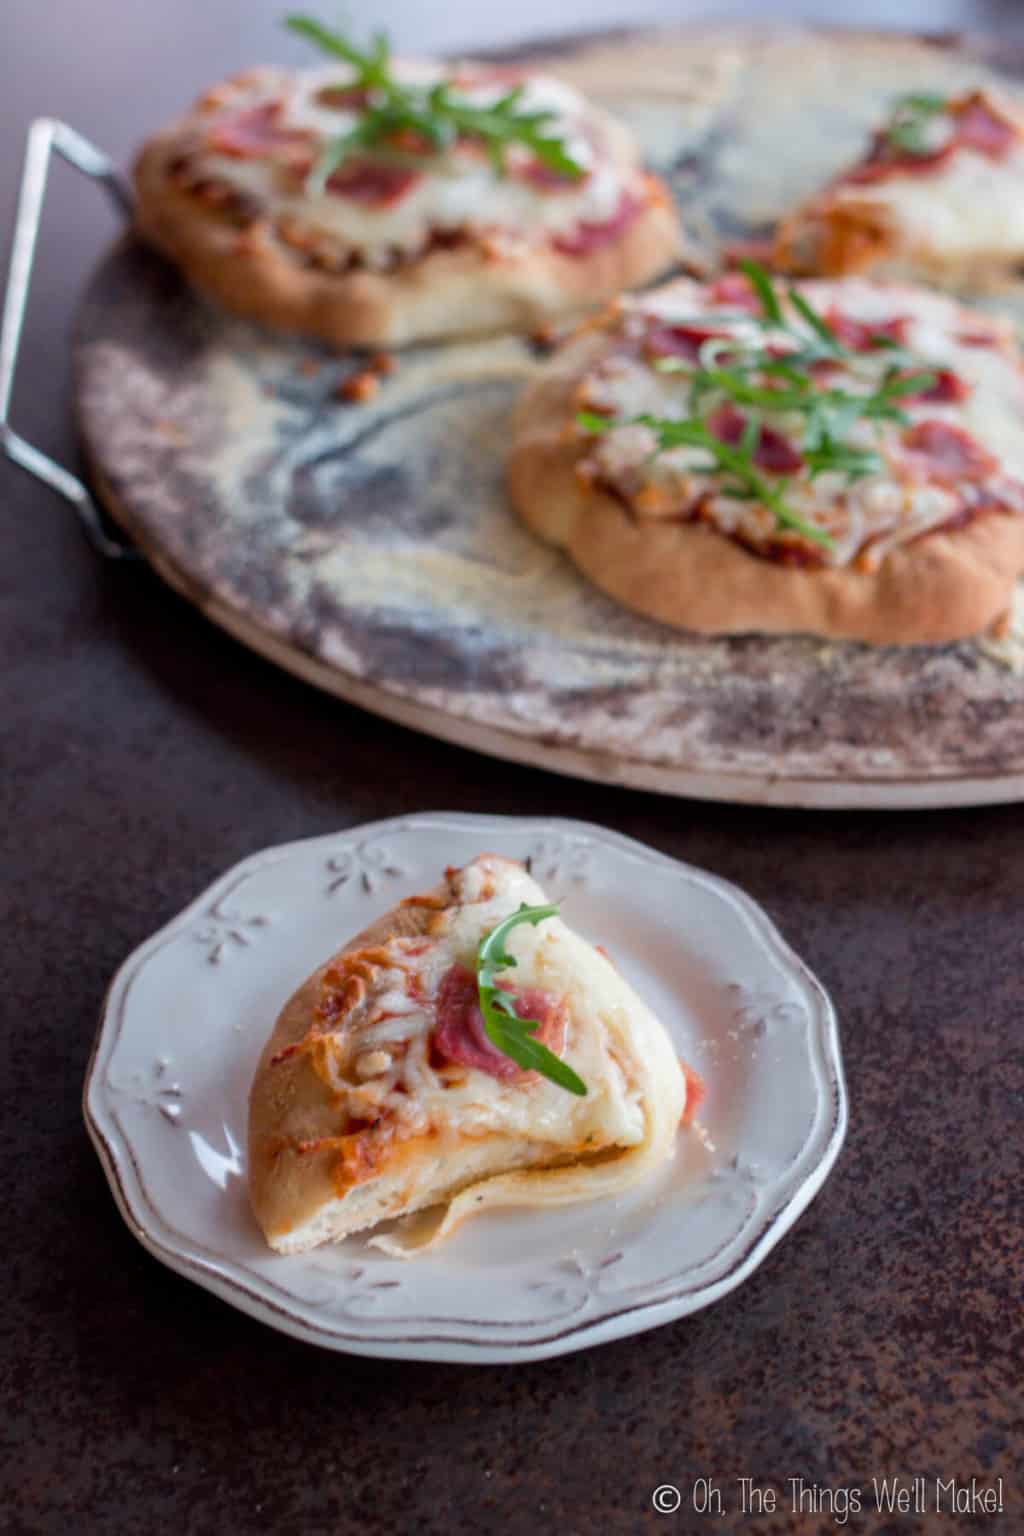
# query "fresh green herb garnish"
(435, 116)
(506, 1029)
(911, 120)
(822, 330)
(752, 375)
(771, 310)
(742, 480)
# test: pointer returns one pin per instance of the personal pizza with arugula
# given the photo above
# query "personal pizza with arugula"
(844, 458)
(377, 201)
(466, 1051)
(939, 196)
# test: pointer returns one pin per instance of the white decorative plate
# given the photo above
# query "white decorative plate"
(188, 1013)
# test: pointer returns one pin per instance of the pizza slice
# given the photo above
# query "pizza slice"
(939, 195)
(378, 201)
(467, 1050)
(843, 459)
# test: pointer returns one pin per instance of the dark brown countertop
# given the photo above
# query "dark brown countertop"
(143, 753)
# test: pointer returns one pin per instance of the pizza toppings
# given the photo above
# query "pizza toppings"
(588, 235)
(924, 132)
(372, 182)
(545, 177)
(735, 288)
(980, 128)
(434, 114)
(460, 1034)
(836, 421)
(771, 451)
(257, 132)
(978, 338)
(679, 340)
(945, 388)
(371, 161)
(865, 335)
(945, 453)
(511, 1032)
(940, 192)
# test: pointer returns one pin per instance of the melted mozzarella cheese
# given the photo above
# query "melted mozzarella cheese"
(599, 1043)
(973, 203)
(460, 191)
(881, 509)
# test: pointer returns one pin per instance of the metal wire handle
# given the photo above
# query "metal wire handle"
(45, 137)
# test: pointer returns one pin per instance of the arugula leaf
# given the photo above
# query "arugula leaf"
(434, 114)
(818, 325)
(506, 1029)
(907, 132)
(371, 68)
(909, 384)
(838, 458)
(922, 101)
(742, 480)
(754, 376)
(771, 310)
(590, 421)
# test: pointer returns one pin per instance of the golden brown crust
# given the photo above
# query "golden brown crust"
(447, 292)
(290, 1108)
(833, 236)
(941, 587)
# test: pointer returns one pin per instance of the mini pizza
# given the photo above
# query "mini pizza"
(843, 459)
(466, 1051)
(939, 196)
(378, 201)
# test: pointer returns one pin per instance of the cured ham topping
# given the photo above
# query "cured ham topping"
(773, 452)
(545, 178)
(882, 163)
(973, 125)
(459, 1035)
(343, 98)
(373, 183)
(866, 336)
(735, 288)
(981, 129)
(945, 454)
(683, 341)
(587, 237)
(761, 250)
(507, 75)
(257, 133)
(948, 388)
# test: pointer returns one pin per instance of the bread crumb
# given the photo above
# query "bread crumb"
(358, 388)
